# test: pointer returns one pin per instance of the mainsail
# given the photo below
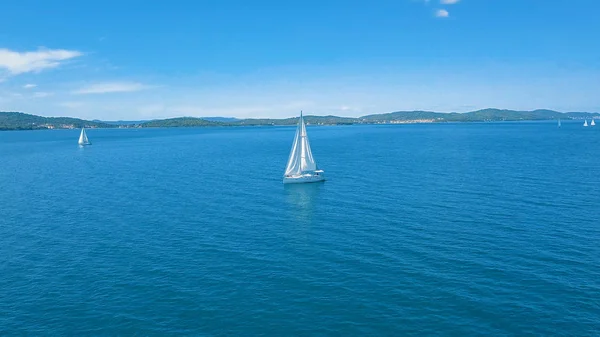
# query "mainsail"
(83, 139)
(301, 158)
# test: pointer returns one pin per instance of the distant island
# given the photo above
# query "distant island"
(23, 121)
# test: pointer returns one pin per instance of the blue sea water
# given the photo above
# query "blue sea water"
(445, 229)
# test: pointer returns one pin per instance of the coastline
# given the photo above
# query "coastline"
(17, 121)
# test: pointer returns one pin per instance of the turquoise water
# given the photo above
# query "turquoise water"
(456, 229)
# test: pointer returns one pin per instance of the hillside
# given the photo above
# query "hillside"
(122, 122)
(179, 122)
(319, 120)
(484, 115)
(474, 116)
(22, 121)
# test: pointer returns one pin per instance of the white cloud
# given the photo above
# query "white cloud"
(111, 87)
(41, 94)
(34, 61)
(343, 91)
(29, 86)
(449, 2)
(442, 13)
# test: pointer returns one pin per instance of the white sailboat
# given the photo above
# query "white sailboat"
(559, 122)
(83, 138)
(301, 166)
(585, 122)
(593, 123)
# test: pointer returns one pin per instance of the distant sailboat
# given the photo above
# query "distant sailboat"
(301, 166)
(559, 122)
(585, 122)
(83, 138)
(593, 123)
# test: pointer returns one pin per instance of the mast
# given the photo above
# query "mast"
(300, 158)
(302, 137)
(81, 136)
(83, 139)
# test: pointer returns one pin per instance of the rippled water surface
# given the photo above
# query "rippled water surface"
(462, 229)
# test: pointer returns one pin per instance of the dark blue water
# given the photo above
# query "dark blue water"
(455, 229)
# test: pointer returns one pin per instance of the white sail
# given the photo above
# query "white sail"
(83, 139)
(585, 123)
(593, 123)
(301, 158)
(559, 123)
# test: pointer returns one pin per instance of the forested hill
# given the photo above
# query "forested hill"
(22, 121)
(486, 115)
(477, 116)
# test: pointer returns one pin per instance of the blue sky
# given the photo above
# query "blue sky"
(153, 59)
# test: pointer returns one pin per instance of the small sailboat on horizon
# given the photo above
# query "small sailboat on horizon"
(301, 166)
(83, 138)
(559, 123)
(585, 122)
(593, 123)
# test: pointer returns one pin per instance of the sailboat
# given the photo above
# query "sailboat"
(593, 123)
(585, 122)
(83, 138)
(301, 166)
(559, 122)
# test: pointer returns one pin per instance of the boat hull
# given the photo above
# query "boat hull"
(305, 178)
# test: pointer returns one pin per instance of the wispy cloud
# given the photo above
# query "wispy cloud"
(41, 94)
(72, 105)
(29, 86)
(15, 62)
(442, 13)
(111, 87)
(449, 2)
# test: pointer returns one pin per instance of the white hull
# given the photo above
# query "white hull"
(304, 178)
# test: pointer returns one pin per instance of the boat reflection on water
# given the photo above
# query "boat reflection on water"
(302, 198)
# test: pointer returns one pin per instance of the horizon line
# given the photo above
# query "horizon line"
(296, 116)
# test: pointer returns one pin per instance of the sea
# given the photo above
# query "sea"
(465, 229)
